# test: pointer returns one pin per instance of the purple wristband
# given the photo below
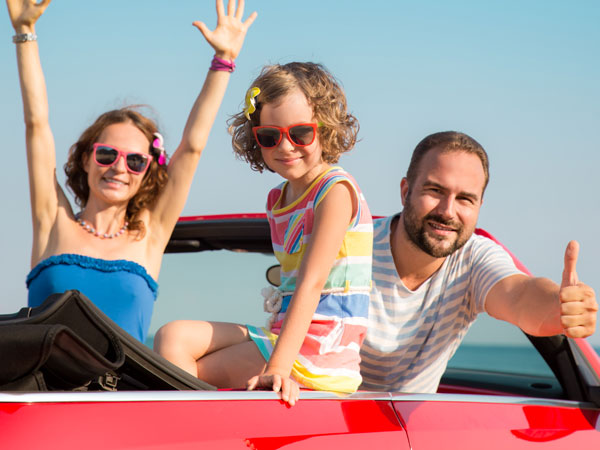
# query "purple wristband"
(222, 64)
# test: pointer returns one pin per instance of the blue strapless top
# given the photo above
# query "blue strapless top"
(122, 289)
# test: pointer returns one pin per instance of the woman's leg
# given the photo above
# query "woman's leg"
(183, 342)
(233, 366)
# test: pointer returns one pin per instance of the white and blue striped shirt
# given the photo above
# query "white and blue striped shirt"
(413, 334)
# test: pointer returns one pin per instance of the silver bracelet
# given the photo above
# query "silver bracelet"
(24, 37)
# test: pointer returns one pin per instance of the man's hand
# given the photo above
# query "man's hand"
(578, 306)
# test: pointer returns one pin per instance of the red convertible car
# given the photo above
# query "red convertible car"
(542, 393)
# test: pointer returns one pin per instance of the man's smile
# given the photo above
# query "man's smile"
(440, 228)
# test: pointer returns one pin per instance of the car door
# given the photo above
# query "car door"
(199, 419)
(465, 422)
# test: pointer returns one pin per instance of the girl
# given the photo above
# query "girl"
(130, 197)
(295, 123)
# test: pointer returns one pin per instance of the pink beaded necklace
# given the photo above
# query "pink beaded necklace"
(90, 229)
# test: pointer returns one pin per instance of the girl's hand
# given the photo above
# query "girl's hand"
(25, 13)
(288, 390)
(228, 37)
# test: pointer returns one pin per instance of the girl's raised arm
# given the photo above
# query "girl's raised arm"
(226, 39)
(41, 158)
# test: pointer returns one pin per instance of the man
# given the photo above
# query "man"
(432, 275)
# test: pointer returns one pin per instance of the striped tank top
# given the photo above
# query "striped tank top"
(329, 357)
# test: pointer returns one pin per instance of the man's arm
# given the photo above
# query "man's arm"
(541, 307)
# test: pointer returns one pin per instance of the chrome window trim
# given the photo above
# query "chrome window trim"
(178, 396)
(496, 399)
(164, 396)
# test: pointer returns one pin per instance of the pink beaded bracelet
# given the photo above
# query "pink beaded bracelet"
(222, 64)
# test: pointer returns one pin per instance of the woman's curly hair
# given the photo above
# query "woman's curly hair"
(155, 177)
(324, 94)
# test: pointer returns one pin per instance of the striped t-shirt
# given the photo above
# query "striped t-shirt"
(413, 334)
(329, 357)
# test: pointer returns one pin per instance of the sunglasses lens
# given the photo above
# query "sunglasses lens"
(137, 162)
(268, 137)
(105, 156)
(302, 134)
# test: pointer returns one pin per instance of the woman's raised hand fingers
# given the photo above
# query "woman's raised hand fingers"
(203, 29)
(228, 36)
(231, 7)
(220, 9)
(250, 20)
(232, 10)
(25, 12)
(240, 10)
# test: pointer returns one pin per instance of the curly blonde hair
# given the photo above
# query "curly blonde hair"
(324, 94)
(154, 179)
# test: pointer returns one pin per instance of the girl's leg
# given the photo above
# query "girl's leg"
(183, 342)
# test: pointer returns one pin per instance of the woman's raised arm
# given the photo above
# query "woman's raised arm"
(226, 39)
(41, 157)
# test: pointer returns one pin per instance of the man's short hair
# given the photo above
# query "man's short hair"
(447, 141)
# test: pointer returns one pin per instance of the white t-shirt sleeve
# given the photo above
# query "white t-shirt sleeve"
(490, 263)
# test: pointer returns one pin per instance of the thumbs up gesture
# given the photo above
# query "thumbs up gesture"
(578, 306)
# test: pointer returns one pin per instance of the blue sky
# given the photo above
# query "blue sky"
(520, 77)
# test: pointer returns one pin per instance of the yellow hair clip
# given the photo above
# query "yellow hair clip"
(250, 101)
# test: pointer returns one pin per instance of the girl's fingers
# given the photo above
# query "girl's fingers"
(252, 383)
(295, 394)
(276, 383)
(285, 392)
(231, 8)
(290, 392)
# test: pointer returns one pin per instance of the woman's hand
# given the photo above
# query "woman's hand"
(228, 37)
(25, 13)
(288, 389)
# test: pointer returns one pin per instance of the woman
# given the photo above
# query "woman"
(130, 197)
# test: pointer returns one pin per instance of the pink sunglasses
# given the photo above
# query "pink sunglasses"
(107, 155)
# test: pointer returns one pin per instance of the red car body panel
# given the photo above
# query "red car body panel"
(240, 420)
(474, 424)
(230, 420)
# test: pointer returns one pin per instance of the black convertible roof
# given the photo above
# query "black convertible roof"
(237, 232)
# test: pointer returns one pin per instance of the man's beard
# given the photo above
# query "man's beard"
(438, 247)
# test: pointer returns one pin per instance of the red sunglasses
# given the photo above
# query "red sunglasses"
(107, 155)
(300, 134)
